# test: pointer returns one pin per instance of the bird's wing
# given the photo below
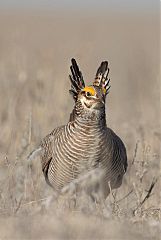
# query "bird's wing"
(119, 157)
(47, 150)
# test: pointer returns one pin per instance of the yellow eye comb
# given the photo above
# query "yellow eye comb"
(90, 89)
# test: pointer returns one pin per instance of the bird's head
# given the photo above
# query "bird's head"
(91, 97)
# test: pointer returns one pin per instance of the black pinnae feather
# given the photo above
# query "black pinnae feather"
(102, 69)
(75, 68)
(74, 83)
(77, 75)
(76, 78)
(101, 74)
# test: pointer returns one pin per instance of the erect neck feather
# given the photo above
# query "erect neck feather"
(95, 117)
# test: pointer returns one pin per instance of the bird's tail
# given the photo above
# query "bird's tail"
(35, 153)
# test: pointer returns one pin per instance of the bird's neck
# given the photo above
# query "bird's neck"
(95, 118)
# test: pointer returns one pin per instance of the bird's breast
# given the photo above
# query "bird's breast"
(76, 151)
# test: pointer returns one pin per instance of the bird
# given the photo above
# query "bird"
(85, 144)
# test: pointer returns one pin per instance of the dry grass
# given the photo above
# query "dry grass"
(34, 62)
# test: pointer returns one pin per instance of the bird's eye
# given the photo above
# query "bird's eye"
(88, 94)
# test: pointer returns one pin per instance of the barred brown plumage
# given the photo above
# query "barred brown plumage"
(85, 142)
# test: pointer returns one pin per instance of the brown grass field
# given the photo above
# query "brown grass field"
(35, 53)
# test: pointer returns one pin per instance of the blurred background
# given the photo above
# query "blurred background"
(37, 40)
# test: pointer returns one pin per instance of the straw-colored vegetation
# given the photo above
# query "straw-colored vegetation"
(34, 61)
